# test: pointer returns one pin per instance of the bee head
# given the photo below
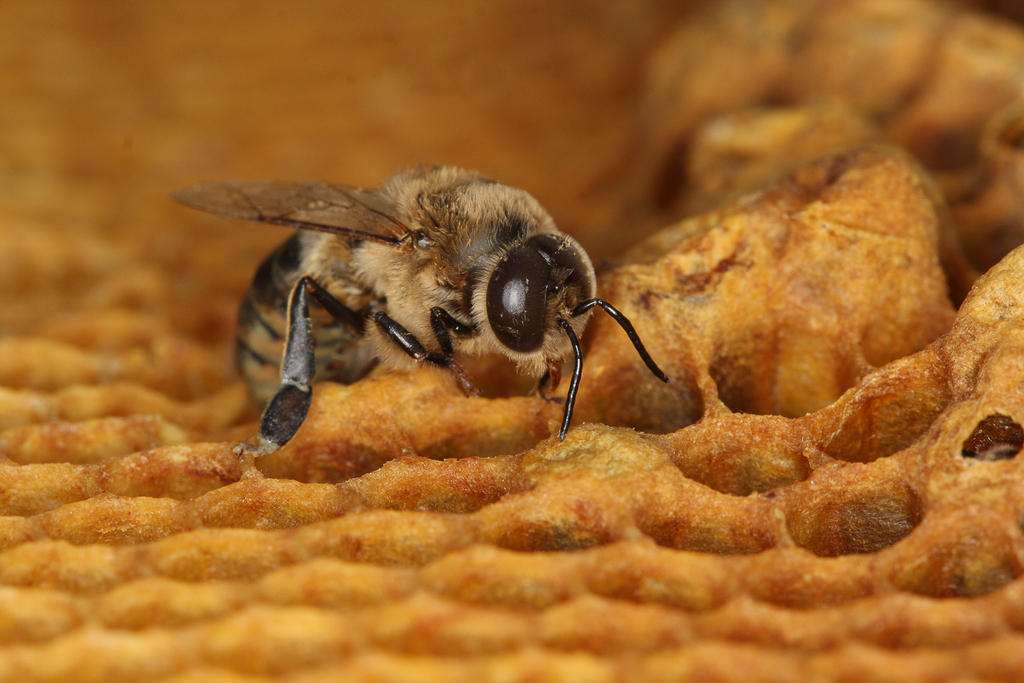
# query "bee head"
(535, 283)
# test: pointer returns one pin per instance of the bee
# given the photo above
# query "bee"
(433, 259)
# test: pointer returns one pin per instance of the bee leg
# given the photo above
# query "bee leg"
(542, 384)
(407, 341)
(338, 310)
(443, 324)
(287, 408)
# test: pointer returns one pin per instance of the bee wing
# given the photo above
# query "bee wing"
(326, 207)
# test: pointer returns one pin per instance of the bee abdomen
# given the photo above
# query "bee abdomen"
(258, 347)
(263, 327)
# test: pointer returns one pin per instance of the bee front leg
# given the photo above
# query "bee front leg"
(444, 324)
(542, 384)
(288, 406)
(407, 341)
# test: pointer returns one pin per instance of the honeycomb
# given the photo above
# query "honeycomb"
(944, 83)
(827, 489)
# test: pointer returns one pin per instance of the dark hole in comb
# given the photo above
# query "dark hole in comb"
(997, 437)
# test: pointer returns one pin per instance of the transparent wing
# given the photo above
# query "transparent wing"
(326, 207)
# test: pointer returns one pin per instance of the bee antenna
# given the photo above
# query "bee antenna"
(574, 383)
(627, 327)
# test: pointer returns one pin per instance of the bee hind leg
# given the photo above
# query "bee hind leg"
(407, 342)
(289, 405)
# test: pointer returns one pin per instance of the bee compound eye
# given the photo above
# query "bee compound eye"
(516, 299)
(567, 259)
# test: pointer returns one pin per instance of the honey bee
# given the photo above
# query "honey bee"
(434, 258)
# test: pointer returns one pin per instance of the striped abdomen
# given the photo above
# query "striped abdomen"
(263, 324)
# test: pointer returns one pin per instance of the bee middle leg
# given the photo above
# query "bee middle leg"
(407, 341)
(289, 405)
